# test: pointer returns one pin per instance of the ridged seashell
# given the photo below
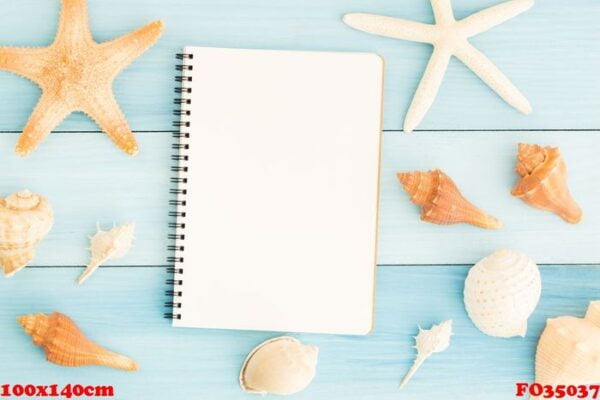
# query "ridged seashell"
(429, 341)
(593, 313)
(441, 202)
(107, 245)
(25, 219)
(281, 365)
(66, 345)
(568, 352)
(543, 182)
(501, 292)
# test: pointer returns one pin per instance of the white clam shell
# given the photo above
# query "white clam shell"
(108, 245)
(281, 366)
(25, 219)
(501, 292)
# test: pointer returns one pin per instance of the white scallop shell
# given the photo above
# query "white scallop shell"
(281, 366)
(501, 292)
(25, 219)
(107, 245)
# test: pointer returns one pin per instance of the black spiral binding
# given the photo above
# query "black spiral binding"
(180, 180)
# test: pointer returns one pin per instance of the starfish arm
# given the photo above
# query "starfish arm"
(493, 16)
(428, 87)
(47, 115)
(119, 53)
(492, 76)
(442, 11)
(105, 111)
(27, 62)
(392, 27)
(73, 26)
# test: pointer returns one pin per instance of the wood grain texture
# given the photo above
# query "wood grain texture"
(121, 308)
(87, 180)
(550, 53)
(88, 188)
(532, 49)
(482, 165)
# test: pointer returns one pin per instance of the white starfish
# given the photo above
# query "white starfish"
(449, 37)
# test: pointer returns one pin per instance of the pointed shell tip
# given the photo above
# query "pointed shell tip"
(496, 224)
(21, 153)
(134, 366)
(409, 125)
(349, 18)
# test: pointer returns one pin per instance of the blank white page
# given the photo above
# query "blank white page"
(282, 193)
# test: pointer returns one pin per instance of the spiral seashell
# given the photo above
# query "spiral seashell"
(107, 245)
(25, 219)
(281, 365)
(428, 342)
(66, 345)
(501, 292)
(441, 202)
(568, 352)
(543, 182)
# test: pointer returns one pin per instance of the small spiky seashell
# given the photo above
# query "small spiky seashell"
(107, 245)
(568, 352)
(25, 219)
(281, 366)
(501, 292)
(543, 182)
(441, 202)
(65, 345)
(429, 341)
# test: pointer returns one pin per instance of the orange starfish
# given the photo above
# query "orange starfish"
(76, 74)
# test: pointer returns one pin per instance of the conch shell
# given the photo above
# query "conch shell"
(65, 345)
(25, 219)
(568, 352)
(441, 202)
(429, 341)
(501, 292)
(281, 365)
(543, 181)
(107, 245)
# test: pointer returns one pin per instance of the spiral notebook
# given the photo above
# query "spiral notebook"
(277, 190)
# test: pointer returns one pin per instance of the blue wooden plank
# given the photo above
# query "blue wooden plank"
(482, 165)
(88, 180)
(548, 52)
(121, 308)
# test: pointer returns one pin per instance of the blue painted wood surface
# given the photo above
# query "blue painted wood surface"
(550, 52)
(120, 308)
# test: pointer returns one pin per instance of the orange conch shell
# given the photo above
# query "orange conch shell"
(568, 352)
(66, 345)
(441, 202)
(25, 219)
(543, 181)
